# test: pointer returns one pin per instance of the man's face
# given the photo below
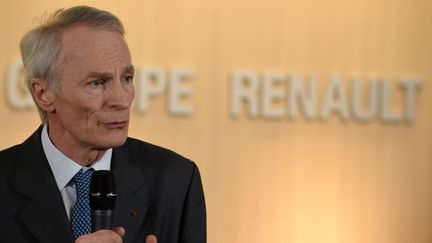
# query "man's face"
(92, 107)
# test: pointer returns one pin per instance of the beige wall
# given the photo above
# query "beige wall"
(279, 181)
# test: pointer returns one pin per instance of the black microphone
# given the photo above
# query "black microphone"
(102, 196)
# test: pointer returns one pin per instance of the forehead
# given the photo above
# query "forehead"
(89, 48)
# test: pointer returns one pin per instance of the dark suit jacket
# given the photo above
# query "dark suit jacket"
(159, 192)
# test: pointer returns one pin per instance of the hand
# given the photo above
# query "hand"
(104, 236)
(151, 239)
(109, 236)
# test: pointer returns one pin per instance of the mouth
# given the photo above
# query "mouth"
(116, 125)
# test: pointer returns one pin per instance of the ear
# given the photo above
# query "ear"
(43, 94)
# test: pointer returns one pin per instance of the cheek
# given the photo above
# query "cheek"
(76, 112)
(90, 115)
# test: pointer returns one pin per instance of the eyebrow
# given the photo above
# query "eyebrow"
(127, 70)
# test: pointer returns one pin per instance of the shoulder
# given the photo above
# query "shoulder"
(30, 148)
(8, 158)
(154, 157)
(154, 152)
(10, 152)
(168, 175)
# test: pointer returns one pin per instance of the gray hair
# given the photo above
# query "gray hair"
(41, 46)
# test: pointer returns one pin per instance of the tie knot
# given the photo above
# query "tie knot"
(82, 181)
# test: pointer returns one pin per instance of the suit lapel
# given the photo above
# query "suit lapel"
(43, 214)
(131, 204)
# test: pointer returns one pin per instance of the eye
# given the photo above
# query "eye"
(128, 78)
(95, 83)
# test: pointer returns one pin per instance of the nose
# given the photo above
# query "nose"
(120, 95)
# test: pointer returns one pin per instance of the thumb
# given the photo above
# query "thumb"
(120, 231)
(151, 239)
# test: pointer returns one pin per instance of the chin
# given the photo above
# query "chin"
(114, 144)
(113, 140)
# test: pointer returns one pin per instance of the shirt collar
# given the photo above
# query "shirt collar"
(63, 168)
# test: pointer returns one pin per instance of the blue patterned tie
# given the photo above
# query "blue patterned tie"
(81, 215)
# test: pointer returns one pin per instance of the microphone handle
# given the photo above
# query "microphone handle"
(101, 219)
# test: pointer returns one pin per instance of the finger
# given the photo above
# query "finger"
(120, 231)
(151, 239)
(106, 236)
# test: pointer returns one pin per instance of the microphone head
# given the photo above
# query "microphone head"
(102, 193)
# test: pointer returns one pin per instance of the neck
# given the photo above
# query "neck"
(80, 153)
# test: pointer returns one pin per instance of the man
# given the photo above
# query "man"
(80, 75)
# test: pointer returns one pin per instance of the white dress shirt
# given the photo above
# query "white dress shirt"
(64, 169)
